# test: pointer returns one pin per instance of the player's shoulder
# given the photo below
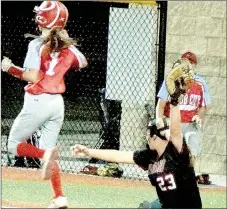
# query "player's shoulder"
(35, 42)
(73, 49)
(145, 154)
(199, 78)
(171, 149)
(69, 50)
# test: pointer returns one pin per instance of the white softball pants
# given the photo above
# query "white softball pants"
(44, 112)
(192, 134)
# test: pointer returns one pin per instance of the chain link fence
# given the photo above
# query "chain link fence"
(107, 105)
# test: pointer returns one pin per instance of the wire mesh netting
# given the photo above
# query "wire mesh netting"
(107, 105)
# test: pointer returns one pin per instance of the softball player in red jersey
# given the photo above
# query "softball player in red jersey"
(48, 58)
(192, 107)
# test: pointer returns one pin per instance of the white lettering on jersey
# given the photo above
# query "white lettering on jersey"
(53, 63)
(190, 102)
(184, 100)
(193, 100)
(157, 167)
(166, 182)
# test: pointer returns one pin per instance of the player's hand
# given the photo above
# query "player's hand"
(6, 64)
(80, 150)
(197, 120)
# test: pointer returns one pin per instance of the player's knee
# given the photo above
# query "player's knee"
(55, 167)
(156, 204)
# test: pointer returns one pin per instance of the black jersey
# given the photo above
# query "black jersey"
(172, 175)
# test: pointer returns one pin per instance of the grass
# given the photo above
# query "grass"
(91, 196)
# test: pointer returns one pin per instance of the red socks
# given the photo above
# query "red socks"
(27, 150)
(56, 180)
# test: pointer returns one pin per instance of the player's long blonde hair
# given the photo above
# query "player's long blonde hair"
(57, 39)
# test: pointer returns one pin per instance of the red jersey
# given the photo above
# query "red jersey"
(190, 103)
(54, 66)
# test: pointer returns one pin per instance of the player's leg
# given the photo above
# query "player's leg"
(49, 134)
(48, 140)
(193, 137)
(33, 162)
(24, 125)
(154, 204)
(27, 122)
(194, 145)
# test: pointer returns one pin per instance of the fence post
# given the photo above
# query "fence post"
(162, 45)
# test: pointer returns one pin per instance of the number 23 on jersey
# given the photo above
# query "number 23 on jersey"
(166, 182)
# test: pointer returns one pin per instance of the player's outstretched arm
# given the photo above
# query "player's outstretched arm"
(106, 155)
(177, 83)
(175, 127)
(18, 72)
(162, 100)
(160, 108)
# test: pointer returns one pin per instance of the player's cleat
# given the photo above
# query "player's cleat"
(59, 202)
(48, 157)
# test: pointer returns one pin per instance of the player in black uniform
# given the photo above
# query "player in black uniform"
(167, 159)
(171, 171)
(168, 163)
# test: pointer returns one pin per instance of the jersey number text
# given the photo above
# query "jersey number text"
(53, 63)
(166, 182)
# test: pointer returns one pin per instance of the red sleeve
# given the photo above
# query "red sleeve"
(79, 59)
(75, 64)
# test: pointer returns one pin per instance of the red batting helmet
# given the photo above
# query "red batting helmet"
(51, 14)
(190, 56)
